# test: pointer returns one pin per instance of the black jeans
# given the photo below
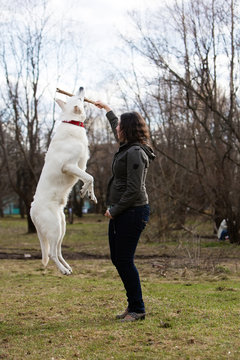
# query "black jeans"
(124, 233)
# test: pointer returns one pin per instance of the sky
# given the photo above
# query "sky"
(92, 28)
(99, 23)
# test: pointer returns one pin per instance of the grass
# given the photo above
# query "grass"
(192, 311)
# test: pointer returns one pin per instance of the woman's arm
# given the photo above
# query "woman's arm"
(112, 118)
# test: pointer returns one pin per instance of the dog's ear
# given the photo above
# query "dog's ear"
(61, 103)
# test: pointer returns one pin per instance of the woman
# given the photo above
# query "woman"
(128, 202)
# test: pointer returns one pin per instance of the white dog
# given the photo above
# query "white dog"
(65, 164)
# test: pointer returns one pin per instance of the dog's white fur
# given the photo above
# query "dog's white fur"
(65, 164)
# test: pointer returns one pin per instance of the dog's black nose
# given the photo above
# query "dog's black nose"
(80, 93)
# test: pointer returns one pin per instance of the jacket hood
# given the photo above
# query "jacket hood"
(147, 149)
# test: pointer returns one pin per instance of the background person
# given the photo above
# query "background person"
(222, 233)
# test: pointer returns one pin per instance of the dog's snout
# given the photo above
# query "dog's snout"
(81, 92)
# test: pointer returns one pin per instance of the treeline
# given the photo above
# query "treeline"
(183, 77)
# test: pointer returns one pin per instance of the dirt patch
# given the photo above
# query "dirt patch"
(160, 262)
(67, 255)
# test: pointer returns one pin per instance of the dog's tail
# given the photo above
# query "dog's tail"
(43, 241)
(45, 250)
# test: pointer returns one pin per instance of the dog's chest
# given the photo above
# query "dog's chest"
(70, 134)
(68, 143)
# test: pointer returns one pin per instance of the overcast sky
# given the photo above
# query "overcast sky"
(99, 23)
(96, 26)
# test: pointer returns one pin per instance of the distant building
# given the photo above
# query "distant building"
(11, 206)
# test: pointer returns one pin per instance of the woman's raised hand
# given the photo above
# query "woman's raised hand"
(102, 105)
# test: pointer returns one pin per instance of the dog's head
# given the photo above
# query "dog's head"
(73, 109)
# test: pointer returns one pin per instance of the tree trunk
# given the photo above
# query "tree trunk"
(233, 231)
(31, 226)
(21, 208)
(77, 202)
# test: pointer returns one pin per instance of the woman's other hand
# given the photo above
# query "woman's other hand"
(108, 215)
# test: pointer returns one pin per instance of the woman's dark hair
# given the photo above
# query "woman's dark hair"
(134, 128)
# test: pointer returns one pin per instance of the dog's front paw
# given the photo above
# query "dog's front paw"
(84, 190)
(94, 199)
(92, 196)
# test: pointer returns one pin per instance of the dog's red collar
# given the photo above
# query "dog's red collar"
(74, 122)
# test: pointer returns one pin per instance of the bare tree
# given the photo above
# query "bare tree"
(21, 52)
(29, 117)
(192, 52)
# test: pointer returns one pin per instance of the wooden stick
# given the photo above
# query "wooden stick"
(63, 92)
(69, 94)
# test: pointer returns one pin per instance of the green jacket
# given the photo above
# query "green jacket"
(126, 187)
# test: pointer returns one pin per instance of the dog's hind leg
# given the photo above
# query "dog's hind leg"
(54, 257)
(60, 243)
(54, 237)
(43, 241)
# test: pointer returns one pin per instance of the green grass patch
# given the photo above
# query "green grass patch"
(45, 315)
(192, 313)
